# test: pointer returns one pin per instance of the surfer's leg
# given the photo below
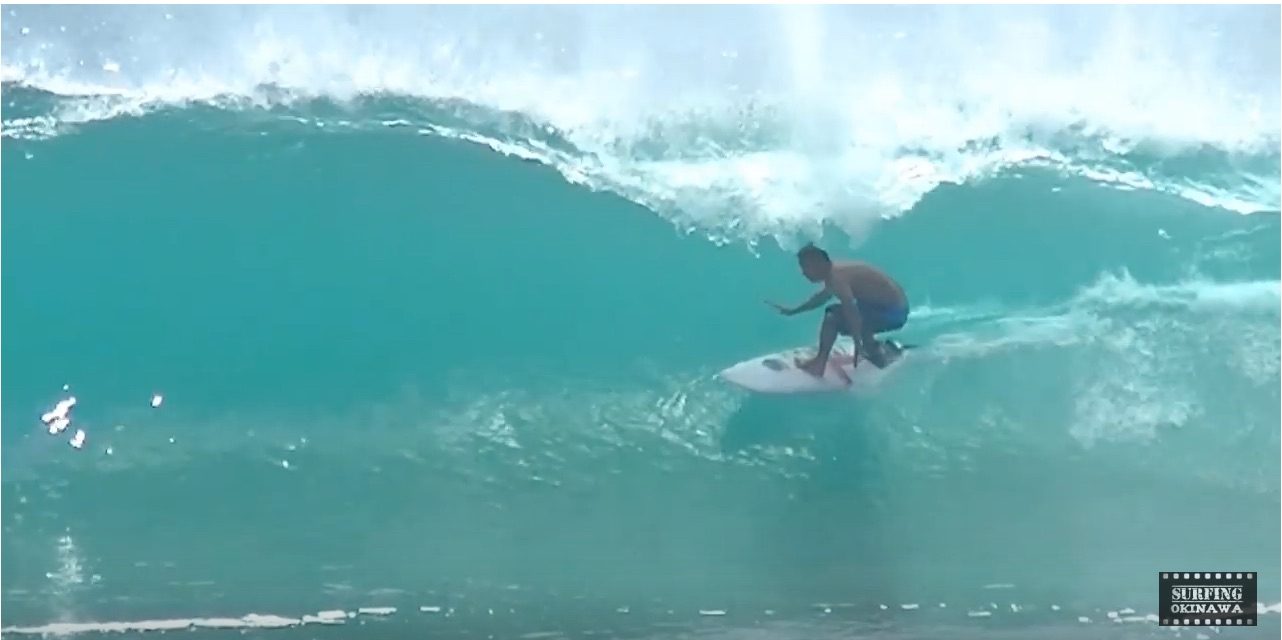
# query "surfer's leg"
(879, 320)
(832, 325)
(873, 349)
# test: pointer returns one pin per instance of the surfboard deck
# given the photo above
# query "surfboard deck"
(778, 373)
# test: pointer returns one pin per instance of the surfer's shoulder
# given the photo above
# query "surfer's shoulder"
(846, 269)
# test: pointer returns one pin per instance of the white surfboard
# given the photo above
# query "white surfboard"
(778, 372)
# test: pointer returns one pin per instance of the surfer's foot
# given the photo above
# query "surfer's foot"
(878, 359)
(877, 353)
(812, 366)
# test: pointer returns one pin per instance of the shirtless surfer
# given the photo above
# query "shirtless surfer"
(869, 302)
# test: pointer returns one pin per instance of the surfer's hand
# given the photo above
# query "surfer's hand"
(780, 308)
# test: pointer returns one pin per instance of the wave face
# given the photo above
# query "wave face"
(431, 302)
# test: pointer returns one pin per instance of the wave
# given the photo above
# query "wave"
(1138, 293)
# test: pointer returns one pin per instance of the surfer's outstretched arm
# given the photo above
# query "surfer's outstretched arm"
(813, 303)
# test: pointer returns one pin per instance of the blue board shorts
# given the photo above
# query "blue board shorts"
(878, 317)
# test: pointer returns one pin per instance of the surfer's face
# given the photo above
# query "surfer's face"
(814, 270)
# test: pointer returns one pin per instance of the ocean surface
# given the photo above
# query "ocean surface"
(401, 322)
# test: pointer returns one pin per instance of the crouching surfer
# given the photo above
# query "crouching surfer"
(869, 302)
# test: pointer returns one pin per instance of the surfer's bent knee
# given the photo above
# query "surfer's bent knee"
(833, 314)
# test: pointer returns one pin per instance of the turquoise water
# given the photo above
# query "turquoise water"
(434, 323)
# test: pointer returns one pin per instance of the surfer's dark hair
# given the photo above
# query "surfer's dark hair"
(811, 252)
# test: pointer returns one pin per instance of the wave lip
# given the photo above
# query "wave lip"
(733, 194)
(754, 128)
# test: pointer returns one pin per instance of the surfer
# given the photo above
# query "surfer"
(869, 302)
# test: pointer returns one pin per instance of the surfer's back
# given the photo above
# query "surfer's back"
(869, 283)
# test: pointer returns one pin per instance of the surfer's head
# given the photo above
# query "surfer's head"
(815, 263)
